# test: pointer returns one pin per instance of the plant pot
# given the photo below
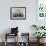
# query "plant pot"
(40, 41)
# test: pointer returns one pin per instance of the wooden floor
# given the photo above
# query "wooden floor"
(13, 44)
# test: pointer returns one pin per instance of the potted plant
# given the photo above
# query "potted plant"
(35, 26)
(39, 35)
(38, 27)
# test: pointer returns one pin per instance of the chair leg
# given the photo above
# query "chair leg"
(5, 39)
(5, 43)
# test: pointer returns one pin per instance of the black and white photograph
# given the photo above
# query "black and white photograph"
(18, 13)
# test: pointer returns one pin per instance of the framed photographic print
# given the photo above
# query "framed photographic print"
(41, 8)
(18, 13)
(41, 12)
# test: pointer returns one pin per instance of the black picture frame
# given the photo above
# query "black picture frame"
(17, 13)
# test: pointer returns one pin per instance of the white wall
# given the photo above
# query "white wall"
(24, 25)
